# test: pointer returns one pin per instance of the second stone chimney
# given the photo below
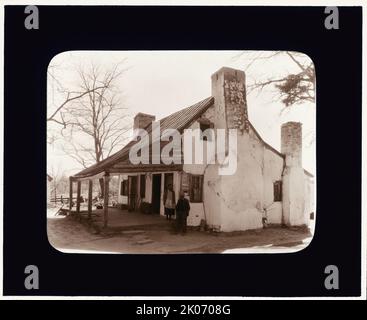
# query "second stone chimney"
(229, 92)
(141, 120)
(291, 143)
(293, 187)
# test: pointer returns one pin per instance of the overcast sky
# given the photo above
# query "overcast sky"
(162, 82)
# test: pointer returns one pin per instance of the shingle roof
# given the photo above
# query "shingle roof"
(178, 120)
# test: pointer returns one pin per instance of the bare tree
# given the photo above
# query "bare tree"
(291, 88)
(95, 123)
(59, 183)
(57, 114)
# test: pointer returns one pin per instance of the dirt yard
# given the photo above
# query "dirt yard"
(67, 235)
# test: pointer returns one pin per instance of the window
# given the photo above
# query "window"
(123, 188)
(203, 126)
(142, 185)
(185, 182)
(278, 190)
(196, 188)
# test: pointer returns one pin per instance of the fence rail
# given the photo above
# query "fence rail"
(65, 200)
(61, 199)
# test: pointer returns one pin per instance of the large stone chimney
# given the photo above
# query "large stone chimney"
(293, 175)
(229, 92)
(141, 120)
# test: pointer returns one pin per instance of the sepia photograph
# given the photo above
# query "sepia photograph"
(181, 151)
(196, 155)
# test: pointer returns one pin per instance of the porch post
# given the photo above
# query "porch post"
(78, 190)
(70, 194)
(106, 180)
(90, 195)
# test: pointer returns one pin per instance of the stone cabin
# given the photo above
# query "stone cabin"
(267, 183)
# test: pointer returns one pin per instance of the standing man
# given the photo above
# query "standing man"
(182, 212)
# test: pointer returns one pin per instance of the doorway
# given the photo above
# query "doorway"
(168, 180)
(156, 193)
(133, 192)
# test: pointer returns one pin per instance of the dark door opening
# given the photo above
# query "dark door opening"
(156, 193)
(168, 180)
(133, 192)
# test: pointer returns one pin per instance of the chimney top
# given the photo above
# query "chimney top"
(229, 71)
(292, 124)
(229, 92)
(142, 120)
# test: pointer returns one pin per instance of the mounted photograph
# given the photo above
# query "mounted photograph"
(175, 152)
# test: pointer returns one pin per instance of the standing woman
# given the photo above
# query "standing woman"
(169, 200)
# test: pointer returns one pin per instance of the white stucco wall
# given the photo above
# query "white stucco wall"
(309, 197)
(198, 168)
(235, 202)
(294, 197)
(242, 193)
(273, 167)
(212, 198)
(198, 211)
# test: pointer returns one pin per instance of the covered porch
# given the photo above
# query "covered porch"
(110, 216)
